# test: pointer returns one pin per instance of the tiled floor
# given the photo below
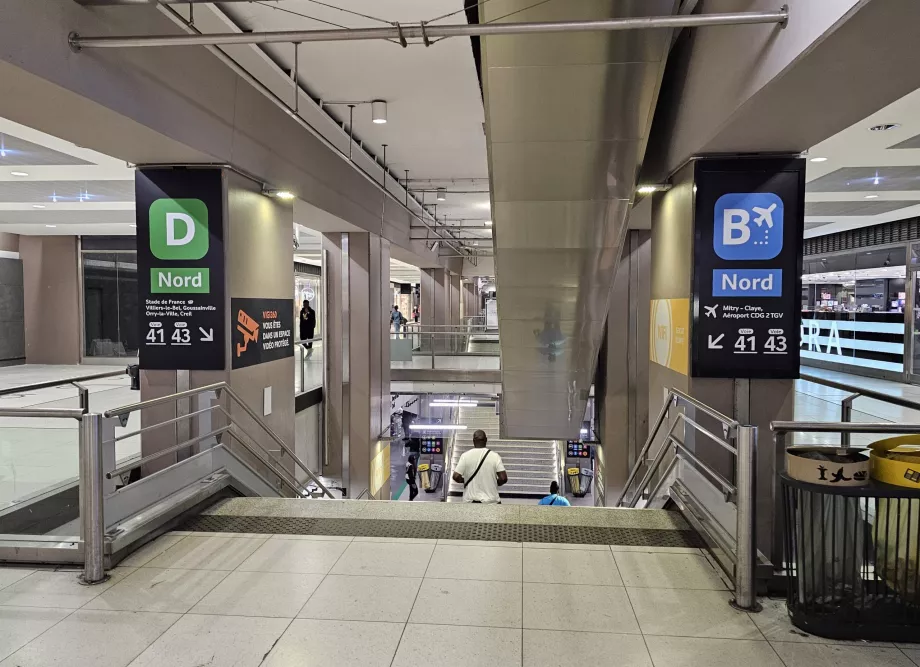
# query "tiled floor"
(285, 601)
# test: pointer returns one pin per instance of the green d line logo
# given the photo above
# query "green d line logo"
(179, 232)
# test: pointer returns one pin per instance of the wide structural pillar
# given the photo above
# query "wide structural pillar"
(215, 275)
(357, 391)
(454, 284)
(435, 296)
(725, 311)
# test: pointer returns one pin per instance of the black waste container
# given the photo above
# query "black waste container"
(852, 553)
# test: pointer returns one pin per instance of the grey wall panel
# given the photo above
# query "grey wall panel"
(333, 422)
(12, 315)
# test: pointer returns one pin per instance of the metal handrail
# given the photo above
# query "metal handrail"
(152, 402)
(60, 383)
(741, 442)
(782, 428)
(47, 413)
(863, 392)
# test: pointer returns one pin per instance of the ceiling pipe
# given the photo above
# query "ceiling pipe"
(426, 32)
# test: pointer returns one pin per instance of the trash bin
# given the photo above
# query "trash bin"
(579, 481)
(848, 550)
(430, 475)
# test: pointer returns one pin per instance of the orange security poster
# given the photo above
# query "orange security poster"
(669, 334)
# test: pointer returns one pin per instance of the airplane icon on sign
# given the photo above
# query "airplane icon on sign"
(765, 215)
(711, 310)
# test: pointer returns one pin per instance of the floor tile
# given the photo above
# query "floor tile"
(314, 538)
(197, 640)
(834, 655)
(385, 559)
(570, 566)
(153, 589)
(342, 597)
(480, 543)
(274, 594)
(351, 643)
(661, 570)
(91, 637)
(60, 590)
(695, 652)
(576, 607)
(458, 646)
(207, 553)
(656, 550)
(150, 551)
(552, 648)
(683, 613)
(495, 604)
(20, 625)
(552, 545)
(913, 654)
(10, 575)
(475, 562)
(773, 621)
(303, 556)
(398, 540)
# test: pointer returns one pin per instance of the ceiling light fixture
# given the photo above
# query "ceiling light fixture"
(884, 127)
(437, 427)
(646, 189)
(52, 226)
(819, 159)
(379, 112)
(38, 206)
(488, 223)
(871, 196)
(442, 194)
(19, 173)
(284, 194)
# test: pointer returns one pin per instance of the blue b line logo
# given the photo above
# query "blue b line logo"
(748, 226)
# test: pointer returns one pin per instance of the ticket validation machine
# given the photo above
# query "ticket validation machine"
(579, 468)
(431, 463)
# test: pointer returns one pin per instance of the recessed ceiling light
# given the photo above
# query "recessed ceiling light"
(18, 173)
(819, 159)
(884, 127)
(871, 196)
(38, 206)
(51, 226)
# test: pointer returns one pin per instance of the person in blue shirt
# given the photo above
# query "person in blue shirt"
(554, 498)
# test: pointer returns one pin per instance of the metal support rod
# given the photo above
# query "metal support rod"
(92, 521)
(432, 31)
(407, 189)
(294, 78)
(644, 452)
(846, 415)
(84, 396)
(163, 452)
(351, 128)
(746, 517)
(383, 182)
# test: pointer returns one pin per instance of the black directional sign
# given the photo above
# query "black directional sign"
(180, 268)
(747, 270)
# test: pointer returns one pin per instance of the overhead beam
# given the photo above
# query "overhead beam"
(424, 31)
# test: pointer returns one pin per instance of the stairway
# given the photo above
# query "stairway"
(531, 464)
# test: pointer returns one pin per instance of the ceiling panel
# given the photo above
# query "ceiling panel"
(866, 179)
(49, 191)
(913, 142)
(16, 152)
(849, 208)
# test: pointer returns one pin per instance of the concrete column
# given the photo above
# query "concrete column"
(755, 401)
(358, 360)
(12, 324)
(454, 288)
(51, 298)
(621, 383)
(435, 295)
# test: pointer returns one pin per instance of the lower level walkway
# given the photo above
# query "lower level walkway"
(248, 599)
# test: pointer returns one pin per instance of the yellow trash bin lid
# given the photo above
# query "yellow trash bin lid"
(896, 461)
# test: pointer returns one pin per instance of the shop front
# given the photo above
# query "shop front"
(856, 312)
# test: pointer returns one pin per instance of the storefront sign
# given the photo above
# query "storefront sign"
(748, 224)
(669, 333)
(867, 340)
(180, 268)
(263, 331)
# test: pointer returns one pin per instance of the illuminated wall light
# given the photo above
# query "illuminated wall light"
(284, 194)
(819, 159)
(871, 197)
(437, 427)
(52, 226)
(38, 206)
(21, 174)
(488, 223)
(379, 112)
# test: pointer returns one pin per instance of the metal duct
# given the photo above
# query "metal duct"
(567, 119)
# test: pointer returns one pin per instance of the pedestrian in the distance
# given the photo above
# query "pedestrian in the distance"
(307, 327)
(554, 498)
(411, 471)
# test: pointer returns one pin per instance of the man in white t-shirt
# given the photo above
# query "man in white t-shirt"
(481, 472)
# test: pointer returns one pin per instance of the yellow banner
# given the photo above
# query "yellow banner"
(669, 327)
(380, 472)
